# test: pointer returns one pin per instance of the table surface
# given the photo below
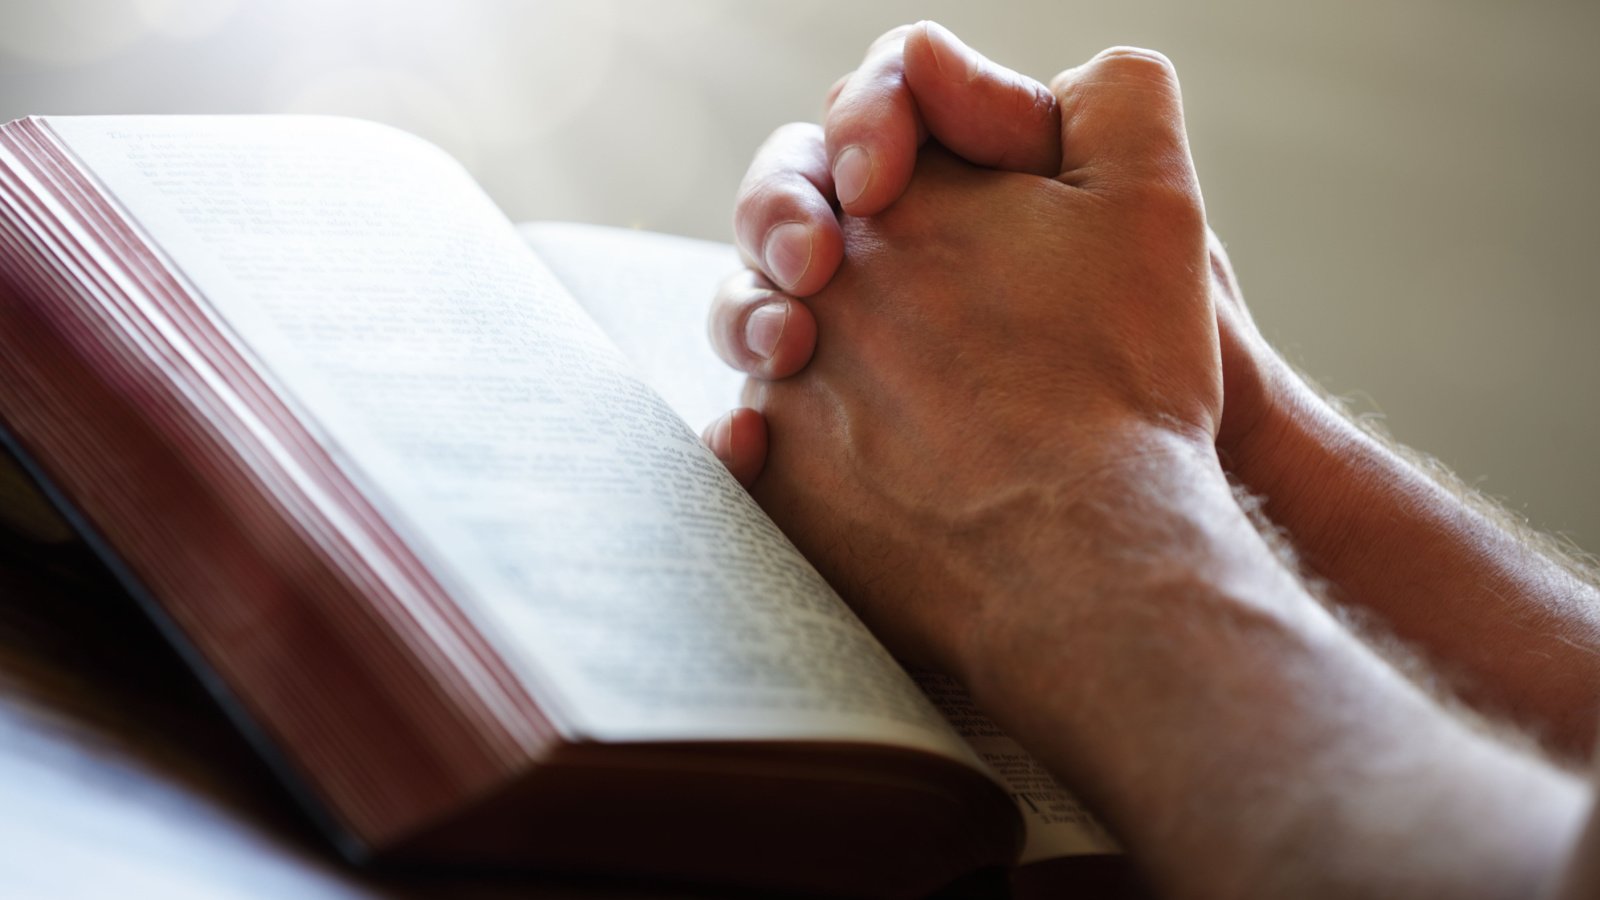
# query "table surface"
(119, 774)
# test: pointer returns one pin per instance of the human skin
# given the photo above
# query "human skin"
(1003, 452)
(1512, 622)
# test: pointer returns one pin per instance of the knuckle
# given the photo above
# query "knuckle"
(1062, 81)
(1034, 111)
(735, 286)
(1216, 247)
(1221, 266)
(1136, 64)
(768, 196)
(794, 134)
(735, 299)
(782, 144)
(774, 179)
(1035, 104)
(894, 35)
(748, 298)
(837, 89)
(1173, 203)
(871, 91)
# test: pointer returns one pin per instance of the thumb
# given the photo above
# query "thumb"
(1122, 120)
(979, 110)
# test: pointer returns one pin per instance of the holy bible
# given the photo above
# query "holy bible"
(418, 494)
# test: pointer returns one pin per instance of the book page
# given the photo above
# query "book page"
(651, 293)
(607, 554)
(1057, 824)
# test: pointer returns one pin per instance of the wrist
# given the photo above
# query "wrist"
(1191, 672)
(1153, 527)
(1440, 573)
(1300, 454)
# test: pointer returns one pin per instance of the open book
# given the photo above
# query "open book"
(418, 494)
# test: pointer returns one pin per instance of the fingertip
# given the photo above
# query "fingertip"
(852, 174)
(784, 223)
(786, 252)
(761, 332)
(739, 440)
(734, 299)
(827, 252)
(872, 174)
(833, 93)
(872, 132)
(778, 338)
(801, 256)
(793, 345)
(715, 437)
(747, 436)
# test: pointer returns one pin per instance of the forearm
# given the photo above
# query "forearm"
(1516, 624)
(1237, 739)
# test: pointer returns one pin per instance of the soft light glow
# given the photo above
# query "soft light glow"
(185, 19)
(68, 32)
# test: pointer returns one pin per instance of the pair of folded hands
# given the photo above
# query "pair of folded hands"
(1021, 294)
(1004, 400)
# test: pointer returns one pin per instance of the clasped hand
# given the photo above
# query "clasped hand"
(983, 345)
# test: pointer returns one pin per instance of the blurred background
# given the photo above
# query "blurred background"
(1410, 191)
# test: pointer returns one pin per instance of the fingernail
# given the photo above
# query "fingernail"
(722, 439)
(764, 327)
(956, 61)
(787, 253)
(852, 169)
